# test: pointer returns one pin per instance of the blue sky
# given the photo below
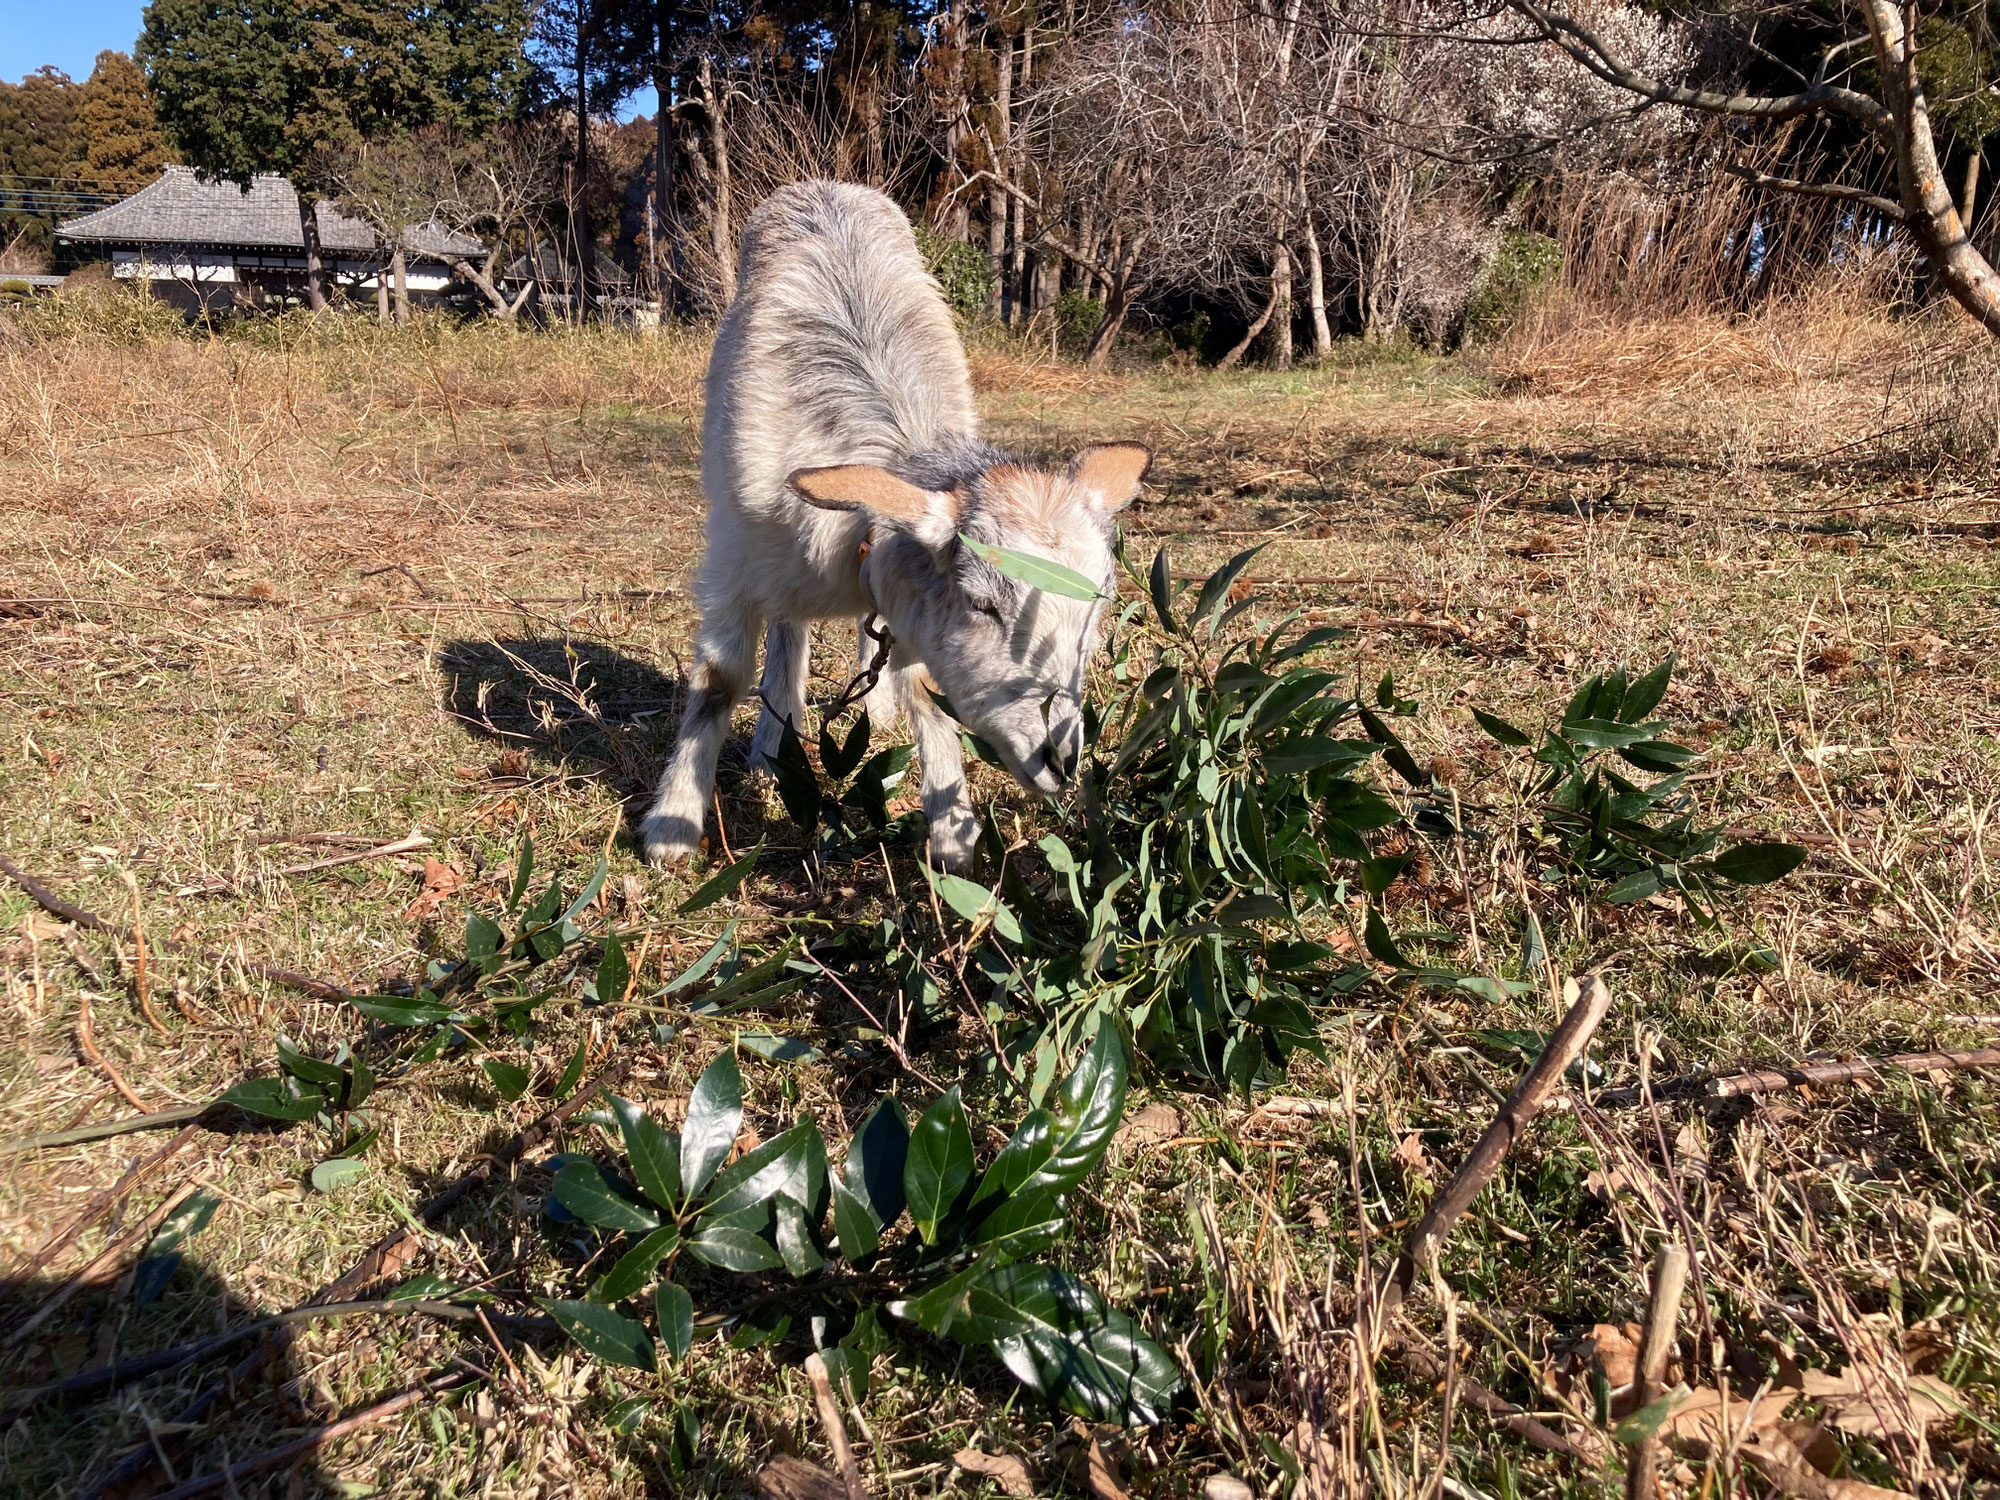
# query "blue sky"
(70, 34)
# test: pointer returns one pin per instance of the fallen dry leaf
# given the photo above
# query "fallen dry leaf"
(1883, 1408)
(1704, 1422)
(1004, 1469)
(1778, 1457)
(1319, 1463)
(1102, 1475)
(1158, 1121)
(1617, 1351)
(440, 880)
(1410, 1152)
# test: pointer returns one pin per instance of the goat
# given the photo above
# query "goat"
(841, 464)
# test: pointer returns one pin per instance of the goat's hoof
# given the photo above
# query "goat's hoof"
(667, 839)
(953, 856)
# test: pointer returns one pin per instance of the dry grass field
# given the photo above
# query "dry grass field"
(296, 592)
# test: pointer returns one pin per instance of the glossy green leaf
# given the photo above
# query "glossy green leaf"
(675, 1309)
(1079, 1354)
(693, 973)
(797, 782)
(614, 971)
(524, 869)
(588, 894)
(973, 901)
(1160, 585)
(855, 1225)
(509, 1080)
(875, 1161)
(723, 883)
(400, 1010)
(309, 1069)
(653, 1151)
(839, 761)
(1036, 572)
(283, 1098)
(734, 1249)
(581, 1188)
(1375, 933)
(939, 1165)
(796, 1246)
(714, 1116)
(1635, 887)
(1758, 864)
(792, 1162)
(1644, 695)
(635, 1267)
(572, 1072)
(483, 938)
(1216, 589)
(602, 1333)
(360, 1083)
(774, 1048)
(1501, 730)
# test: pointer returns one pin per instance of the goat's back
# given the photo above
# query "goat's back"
(838, 349)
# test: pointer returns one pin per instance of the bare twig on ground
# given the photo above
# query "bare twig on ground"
(409, 845)
(98, 1206)
(50, 902)
(1592, 999)
(834, 1420)
(1797, 1076)
(290, 1453)
(1670, 1269)
(88, 1045)
(1514, 1419)
(385, 1257)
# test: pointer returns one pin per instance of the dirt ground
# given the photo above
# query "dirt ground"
(265, 589)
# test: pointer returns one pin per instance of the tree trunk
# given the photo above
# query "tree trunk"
(1243, 345)
(1018, 262)
(1316, 293)
(1117, 303)
(1281, 305)
(583, 262)
(997, 205)
(663, 150)
(382, 293)
(959, 226)
(399, 271)
(720, 239)
(1928, 211)
(309, 236)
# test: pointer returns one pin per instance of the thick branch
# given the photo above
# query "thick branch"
(1888, 208)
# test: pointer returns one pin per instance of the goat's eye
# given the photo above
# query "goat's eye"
(991, 611)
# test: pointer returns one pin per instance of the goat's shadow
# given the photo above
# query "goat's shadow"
(74, 1443)
(560, 702)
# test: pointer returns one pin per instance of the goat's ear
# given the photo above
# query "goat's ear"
(1112, 473)
(930, 517)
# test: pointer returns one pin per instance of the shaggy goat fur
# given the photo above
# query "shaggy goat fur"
(841, 465)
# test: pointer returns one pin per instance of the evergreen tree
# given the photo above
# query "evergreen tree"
(41, 152)
(246, 86)
(122, 140)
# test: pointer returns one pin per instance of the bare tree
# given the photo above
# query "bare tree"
(391, 186)
(1897, 116)
(498, 190)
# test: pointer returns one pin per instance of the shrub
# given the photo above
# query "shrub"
(961, 271)
(1524, 265)
(1077, 315)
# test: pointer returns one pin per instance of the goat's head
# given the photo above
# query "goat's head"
(1010, 657)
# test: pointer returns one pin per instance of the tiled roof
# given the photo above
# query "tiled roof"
(180, 209)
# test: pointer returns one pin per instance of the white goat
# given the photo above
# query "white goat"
(841, 467)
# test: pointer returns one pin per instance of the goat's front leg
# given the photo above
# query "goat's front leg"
(947, 802)
(787, 662)
(725, 654)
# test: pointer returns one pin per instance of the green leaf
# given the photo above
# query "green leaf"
(734, 1249)
(1378, 874)
(1376, 935)
(1296, 754)
(1036, 572)
(714, 1116)
(1758, 864)
(602, 1333)
(483, 938)
(587, 895)
(1216, 589)
(360, 1083)
(614, 971)
(1607, 734)
(1080, 1354)
(1644, 695)
(795, 1240)
(277, 1098)
(1286, 697)
(572, 1071)
(1635, 887)
(839, 761)
(581, 1188)
(876, 1157)
(854, 1223)
(310, 1069)
(798, 785)
(1658, 755)
(774, 1048)
(332, 1172)
(524, 869)
(1160, 585)
(792, 1162)
(676, 1313)
(653, 1151)
(1393, 751)
(694, 971)
(634, 1267)
(1250, 906)
(939, 1165)
(400, 1010)
(723, 883)
(509, 1081)
(973, 901)
(1648, 1419)
(1501, 730)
